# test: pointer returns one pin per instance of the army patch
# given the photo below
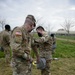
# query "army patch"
(18, 33)
(18, 37)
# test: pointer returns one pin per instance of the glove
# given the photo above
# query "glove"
(25, 55)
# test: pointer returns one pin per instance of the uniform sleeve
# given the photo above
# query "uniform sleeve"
(43, 39)
(17, 36)
(34, 46)
(16, 42)
(7, 38)
(35, 49)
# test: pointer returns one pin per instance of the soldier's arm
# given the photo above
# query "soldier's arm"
(35, 49)
(34, 46)
(7, 38)
(43, 39)
(16, 43)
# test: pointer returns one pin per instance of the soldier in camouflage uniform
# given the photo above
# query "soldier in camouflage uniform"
(21, 47)
(45, 46)
(5, 42)
(54, 43)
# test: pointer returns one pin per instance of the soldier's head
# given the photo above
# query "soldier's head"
(52, 35)
(40, 31)
(7, 27)
(30, 22)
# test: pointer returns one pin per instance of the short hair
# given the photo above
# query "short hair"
(40, 27)
(7, 27)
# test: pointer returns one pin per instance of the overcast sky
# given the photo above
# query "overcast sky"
(51, 12)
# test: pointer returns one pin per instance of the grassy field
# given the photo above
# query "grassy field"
(66, 37)
(1, 54)
(65, 65)
(65, 49)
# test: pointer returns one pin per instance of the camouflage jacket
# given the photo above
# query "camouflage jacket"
(20, 42)
(5, 38)
(44, 45)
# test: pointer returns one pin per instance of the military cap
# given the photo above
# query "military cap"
(31, 17)
(40, 27)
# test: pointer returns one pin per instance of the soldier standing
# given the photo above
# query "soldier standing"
(21, 47)
(54, 43)
(45, 45)
(5, 42)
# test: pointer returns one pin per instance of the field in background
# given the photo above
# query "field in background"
(66, 37)
(65, 49)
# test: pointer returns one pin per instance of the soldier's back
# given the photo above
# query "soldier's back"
(5, 38)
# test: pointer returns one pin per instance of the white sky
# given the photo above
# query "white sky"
(51, 12)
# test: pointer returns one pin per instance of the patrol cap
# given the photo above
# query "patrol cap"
(32, 19)
(41, 64)
(40, 27)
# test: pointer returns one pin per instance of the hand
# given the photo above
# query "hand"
(35, 41)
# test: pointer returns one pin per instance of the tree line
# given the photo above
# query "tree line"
(67, 24)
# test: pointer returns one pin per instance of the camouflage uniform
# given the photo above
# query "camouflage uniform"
(21, 44)
(45, 47)
(5, 44)
(54, 45)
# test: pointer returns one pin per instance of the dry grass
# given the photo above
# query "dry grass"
(63, 66)
(4, 68)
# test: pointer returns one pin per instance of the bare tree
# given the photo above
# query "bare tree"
(39, 21)
(68, 24)
(50, 28)
(2, 23)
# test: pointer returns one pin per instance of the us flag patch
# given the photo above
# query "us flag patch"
(18, 33)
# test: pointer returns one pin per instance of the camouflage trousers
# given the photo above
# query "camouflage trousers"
(48, 56)
(21, 67)
(46, 71)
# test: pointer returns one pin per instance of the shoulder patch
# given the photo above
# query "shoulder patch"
(18, 33)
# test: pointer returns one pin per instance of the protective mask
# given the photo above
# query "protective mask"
(39, 34)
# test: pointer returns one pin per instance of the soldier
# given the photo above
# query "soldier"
(5, 42)
(21, 47)
(54, 43)
(44, 45)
